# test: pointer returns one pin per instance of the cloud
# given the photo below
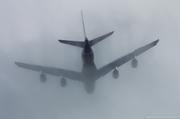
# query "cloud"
(30, 31)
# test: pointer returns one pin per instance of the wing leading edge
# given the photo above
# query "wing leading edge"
(120, 61)
(53, 71)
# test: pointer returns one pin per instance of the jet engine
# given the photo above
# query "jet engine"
(115, 74)
(134, 63)
(63, 82)
(43, 77)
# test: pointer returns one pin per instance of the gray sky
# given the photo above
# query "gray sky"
(29, 32)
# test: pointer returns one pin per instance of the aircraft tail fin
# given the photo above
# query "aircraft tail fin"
(98, 39)
(83, 25)
(92, 42)
(74, 43)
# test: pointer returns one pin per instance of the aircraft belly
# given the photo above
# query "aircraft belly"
(88, 58)
(89, 72)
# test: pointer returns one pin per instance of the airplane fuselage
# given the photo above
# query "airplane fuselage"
(89, 69)
(87, 53)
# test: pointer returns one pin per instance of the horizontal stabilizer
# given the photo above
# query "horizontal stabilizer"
(98, 39)
(74, 43)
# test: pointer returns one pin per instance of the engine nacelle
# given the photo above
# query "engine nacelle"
(63, 82)
(115, 74)
(43, 77)
(134, 63)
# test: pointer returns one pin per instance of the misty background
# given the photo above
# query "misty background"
(29, 33)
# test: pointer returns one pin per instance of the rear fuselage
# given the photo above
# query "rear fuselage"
(89, 69)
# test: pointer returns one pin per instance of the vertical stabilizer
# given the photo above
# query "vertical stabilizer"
(83, 25)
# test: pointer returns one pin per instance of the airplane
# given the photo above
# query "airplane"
(89, 73)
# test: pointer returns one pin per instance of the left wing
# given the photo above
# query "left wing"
(53, 71)
(104, 70)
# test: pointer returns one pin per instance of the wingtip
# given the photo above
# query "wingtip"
(156, 41)
(62, 41)
(59, 40)
(110, 33)
(16, 63)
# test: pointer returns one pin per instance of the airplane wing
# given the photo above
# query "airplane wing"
(53, 71)
(120, 61)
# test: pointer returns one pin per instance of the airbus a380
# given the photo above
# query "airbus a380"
(89, 73)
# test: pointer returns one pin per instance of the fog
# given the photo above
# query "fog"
(30, 31)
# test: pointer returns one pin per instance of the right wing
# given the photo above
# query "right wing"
(120, 61)
(53, 71)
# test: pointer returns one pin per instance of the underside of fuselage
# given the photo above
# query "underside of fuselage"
(89, 69)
